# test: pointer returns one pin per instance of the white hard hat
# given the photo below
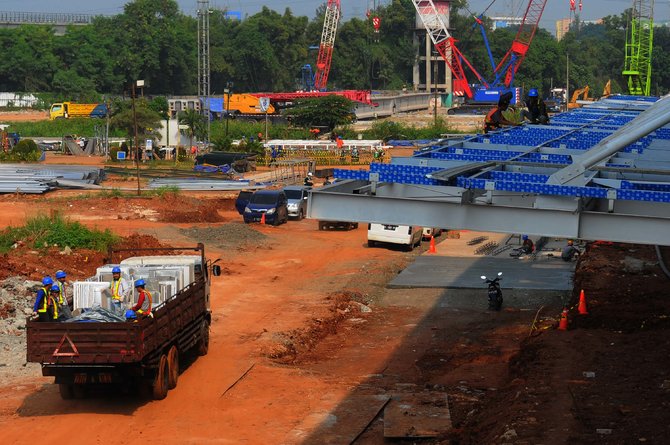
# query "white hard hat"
(309, 174)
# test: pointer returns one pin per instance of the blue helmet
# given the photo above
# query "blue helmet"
(60, 274)
(46, 281)
(116, 269)
(524, 237)
(139, 282)
(131, 314)
(532, 92)
(55, 288)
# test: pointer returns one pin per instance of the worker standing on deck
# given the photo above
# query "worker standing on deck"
(495, 119)
(120, 290)
(537, 109)
(144, 301)
(45, 306)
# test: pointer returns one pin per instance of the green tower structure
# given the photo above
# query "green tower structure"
(639, 43)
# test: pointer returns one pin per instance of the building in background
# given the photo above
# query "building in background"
(562, 27)
(504, 22)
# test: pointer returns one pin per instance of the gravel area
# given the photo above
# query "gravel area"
(235, 236)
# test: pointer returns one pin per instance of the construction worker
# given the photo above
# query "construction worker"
(46, 305)
(64, 304)
(537, 109)
(570, 251)
(308, 180)
(144, 302)
(495, 119)
(527, 246)
(120, 290)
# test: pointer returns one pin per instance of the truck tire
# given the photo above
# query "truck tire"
(66, 391)
(202, 347)
(322, 225)
(173, 367)
(371, 243)
(159, 387)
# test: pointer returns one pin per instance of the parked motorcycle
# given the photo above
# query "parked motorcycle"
(494, 292)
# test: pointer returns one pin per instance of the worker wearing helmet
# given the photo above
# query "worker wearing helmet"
(495, 119)
(527, 246)
(144, 301)
(308, 180)
(120, 289)
(536, 111)
(64, 302)
(570, 251)
(45, 305)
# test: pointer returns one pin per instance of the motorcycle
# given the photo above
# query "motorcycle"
(494, 292)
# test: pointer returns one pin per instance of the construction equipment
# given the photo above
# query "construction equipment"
(487, 92)
(579, 94)
(65, 110)
(323, 61)
(639, 44)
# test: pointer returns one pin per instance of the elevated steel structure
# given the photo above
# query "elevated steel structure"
(325, 58)
(204, 88)
(599, 172)
(44, 18)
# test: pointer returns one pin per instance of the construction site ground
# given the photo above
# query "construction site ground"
(310, 346)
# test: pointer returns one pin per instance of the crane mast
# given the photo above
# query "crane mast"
(332, 19)
(445, 44)
(639, 44)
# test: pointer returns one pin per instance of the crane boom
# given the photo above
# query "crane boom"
(445, 44)
(639, 44)
(330, 22)
(509, 64)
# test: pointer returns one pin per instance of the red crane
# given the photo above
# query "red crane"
(330, 22)
(512, 60)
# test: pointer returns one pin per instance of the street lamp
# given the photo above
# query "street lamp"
(137, 84)
(227, 91)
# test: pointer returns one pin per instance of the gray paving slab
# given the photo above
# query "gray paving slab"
(543, 273)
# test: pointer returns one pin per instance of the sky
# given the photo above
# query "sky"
(555, 9)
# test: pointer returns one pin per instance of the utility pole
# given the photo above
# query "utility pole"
(203, 61)
(137, 144)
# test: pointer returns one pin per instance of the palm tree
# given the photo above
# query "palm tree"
(195, 123)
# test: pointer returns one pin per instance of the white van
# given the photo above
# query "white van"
(409, 236)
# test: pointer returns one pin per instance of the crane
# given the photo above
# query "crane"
(323, 61)
(510, 63)
(639, 44)
(445, 44)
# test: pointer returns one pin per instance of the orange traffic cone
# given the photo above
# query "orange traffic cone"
(432, 245)
(563, 324)
(582, 304)
(262, 218)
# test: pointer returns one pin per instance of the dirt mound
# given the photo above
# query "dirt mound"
(234, 235)
(290, 347)
(191, 211)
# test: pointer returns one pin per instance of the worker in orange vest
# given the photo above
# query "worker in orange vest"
(495, 119)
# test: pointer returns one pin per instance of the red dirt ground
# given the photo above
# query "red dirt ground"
(288, 323)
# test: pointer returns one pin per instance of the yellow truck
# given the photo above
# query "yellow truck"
(66, 110)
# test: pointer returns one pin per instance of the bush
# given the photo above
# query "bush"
(43, 231)
(25, 151)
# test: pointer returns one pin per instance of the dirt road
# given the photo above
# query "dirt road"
(308, 347)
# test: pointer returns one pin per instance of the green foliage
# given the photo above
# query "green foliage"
(60, 127)
(196, 125)
(327, 111)
(147, 120)
(43, 231)
(25, 151)
(387, 130)
(164, 191)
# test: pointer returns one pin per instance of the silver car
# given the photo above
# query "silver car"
(297, 201)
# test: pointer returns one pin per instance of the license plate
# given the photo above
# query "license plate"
(390, 227)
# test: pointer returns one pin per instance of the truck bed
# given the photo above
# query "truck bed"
(111, 343)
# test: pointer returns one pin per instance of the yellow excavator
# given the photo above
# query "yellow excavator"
(583, 94)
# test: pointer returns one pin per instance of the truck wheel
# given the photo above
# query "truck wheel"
(371, 243)
(322, 226)
(161, 381)
(66, 391)
(203, 343)
(173, 366)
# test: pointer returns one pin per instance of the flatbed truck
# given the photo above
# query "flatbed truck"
(145, 353)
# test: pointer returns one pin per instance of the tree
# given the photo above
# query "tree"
(329, 111)
(148, 121)
(196, 125)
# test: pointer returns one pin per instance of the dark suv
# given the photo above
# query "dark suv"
(271, 203)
